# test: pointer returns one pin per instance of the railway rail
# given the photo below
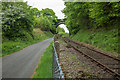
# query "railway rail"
(106, 62)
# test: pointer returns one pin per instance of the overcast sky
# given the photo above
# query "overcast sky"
(55, 5)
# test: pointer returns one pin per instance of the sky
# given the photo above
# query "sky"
(55, 5)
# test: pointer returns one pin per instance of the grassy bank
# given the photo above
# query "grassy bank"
(64, 34)
(44, 69)
(10, 46)
(103, 39)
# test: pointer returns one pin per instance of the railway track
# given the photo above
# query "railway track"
(106, 62)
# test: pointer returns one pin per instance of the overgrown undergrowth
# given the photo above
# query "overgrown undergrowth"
(103, 39)
(10, 46)
(44, 69)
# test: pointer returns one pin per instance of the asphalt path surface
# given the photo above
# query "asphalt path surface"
(23, 63)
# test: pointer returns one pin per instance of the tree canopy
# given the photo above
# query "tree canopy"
(46, 20)
(16, 18)
(19, 19)
(91, 15)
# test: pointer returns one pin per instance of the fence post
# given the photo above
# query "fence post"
(57, 47)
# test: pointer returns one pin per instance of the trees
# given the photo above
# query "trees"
(51, 18)
(35, 12)
(19, 19)
(48, 12)
(60, 31)
(46, 20)
(104, 14)
(86, 15)
(16, 18)
(76, 16)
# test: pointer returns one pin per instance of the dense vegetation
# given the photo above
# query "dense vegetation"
(44, 69)
(91, 15)
(10, 46)
(102, 39)
(45, 19)
(61, 32)
(19, 19)
(23, 25)
(95, 22)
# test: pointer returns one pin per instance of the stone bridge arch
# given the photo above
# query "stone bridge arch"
(60, 24)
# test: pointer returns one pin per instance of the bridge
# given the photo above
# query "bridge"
(60, 24)
(60, 21)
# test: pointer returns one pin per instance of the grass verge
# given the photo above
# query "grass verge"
(9, 46)
(103, 39)
(44, 69)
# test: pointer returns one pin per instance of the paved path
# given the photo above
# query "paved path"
(22, 64)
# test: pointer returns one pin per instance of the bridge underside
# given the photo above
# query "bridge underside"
(60, 24)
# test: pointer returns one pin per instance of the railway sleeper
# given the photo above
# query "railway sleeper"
(109, 63)
(105, 68)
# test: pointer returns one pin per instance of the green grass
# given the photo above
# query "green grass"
(44, 69)
(63, 34)
(103, 39)
(74, 57)
(9, 46)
